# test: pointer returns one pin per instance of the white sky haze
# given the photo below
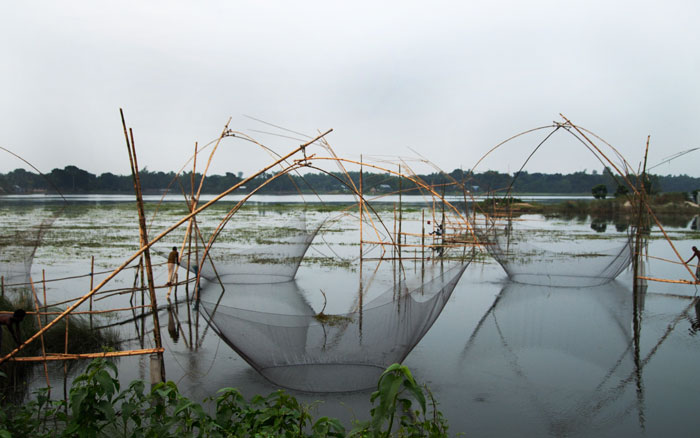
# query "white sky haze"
(446, 79)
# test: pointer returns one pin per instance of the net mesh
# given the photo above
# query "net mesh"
(546, 342)
(17, 251)
(19, 244)
(277, 331)
(532, 258)
(267, 259)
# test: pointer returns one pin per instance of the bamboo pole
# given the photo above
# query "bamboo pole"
(362, 200)
(640, 224)
(663, 280)
(143, 301)
(74, 356)
(400, 210)
(143, 234)
(422, 234)
(157, 239)
(664, 260)
(38, 321)
(648, 208)
(86, 312)
(211, 157)
(73, 277)
(393, 247)
(92, 276)
(192, 205)
(196, 248)
(43, 282)
(65, 365)
(455, 244)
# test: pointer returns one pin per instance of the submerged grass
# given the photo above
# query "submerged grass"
(81, 339)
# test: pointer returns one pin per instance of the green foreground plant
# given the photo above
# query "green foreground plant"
(96, 407)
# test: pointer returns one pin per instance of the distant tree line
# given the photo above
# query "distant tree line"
(71, 179)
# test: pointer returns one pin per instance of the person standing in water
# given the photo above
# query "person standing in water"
(696, 253)
(173, 260)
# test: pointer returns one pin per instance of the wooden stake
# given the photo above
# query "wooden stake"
(142, 269)
(362, 200)
(38, 321)
(400, 209)
(43, 282)
(65, 365)
(422, 234)
(92, 276)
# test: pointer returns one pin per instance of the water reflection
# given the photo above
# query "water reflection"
(173, 324)
(599, 225)
(695, 322)
(568, 354)
(277, 332)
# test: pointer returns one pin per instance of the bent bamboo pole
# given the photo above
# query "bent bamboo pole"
(646, 205)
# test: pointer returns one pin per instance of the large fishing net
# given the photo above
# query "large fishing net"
(19, 241)
(540, 257)
(17, 249)
(254, 255)
(565, 353)
(275, 329)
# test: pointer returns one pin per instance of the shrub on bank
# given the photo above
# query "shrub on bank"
(97, 408)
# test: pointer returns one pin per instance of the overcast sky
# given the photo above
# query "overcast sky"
(446, 79)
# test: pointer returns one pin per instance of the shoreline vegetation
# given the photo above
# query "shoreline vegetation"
(662, 204)
(73, 180)
(96, 407)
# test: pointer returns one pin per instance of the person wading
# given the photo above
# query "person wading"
(696, 253)
(173, 260)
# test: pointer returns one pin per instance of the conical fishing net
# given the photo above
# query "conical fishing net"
(272, 255)
(18, 245)
(531, 256)
(17, 251)
(276, 330)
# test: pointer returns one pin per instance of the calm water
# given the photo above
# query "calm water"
(502, 359)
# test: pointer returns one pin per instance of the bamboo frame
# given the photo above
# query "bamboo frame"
(397, 239)
(153, 242)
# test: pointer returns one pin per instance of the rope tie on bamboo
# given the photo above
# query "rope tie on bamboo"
(306, 161)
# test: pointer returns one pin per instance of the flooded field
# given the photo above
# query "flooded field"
(502, 358)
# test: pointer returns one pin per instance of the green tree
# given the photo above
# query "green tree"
(621, 190)
(600, 191)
